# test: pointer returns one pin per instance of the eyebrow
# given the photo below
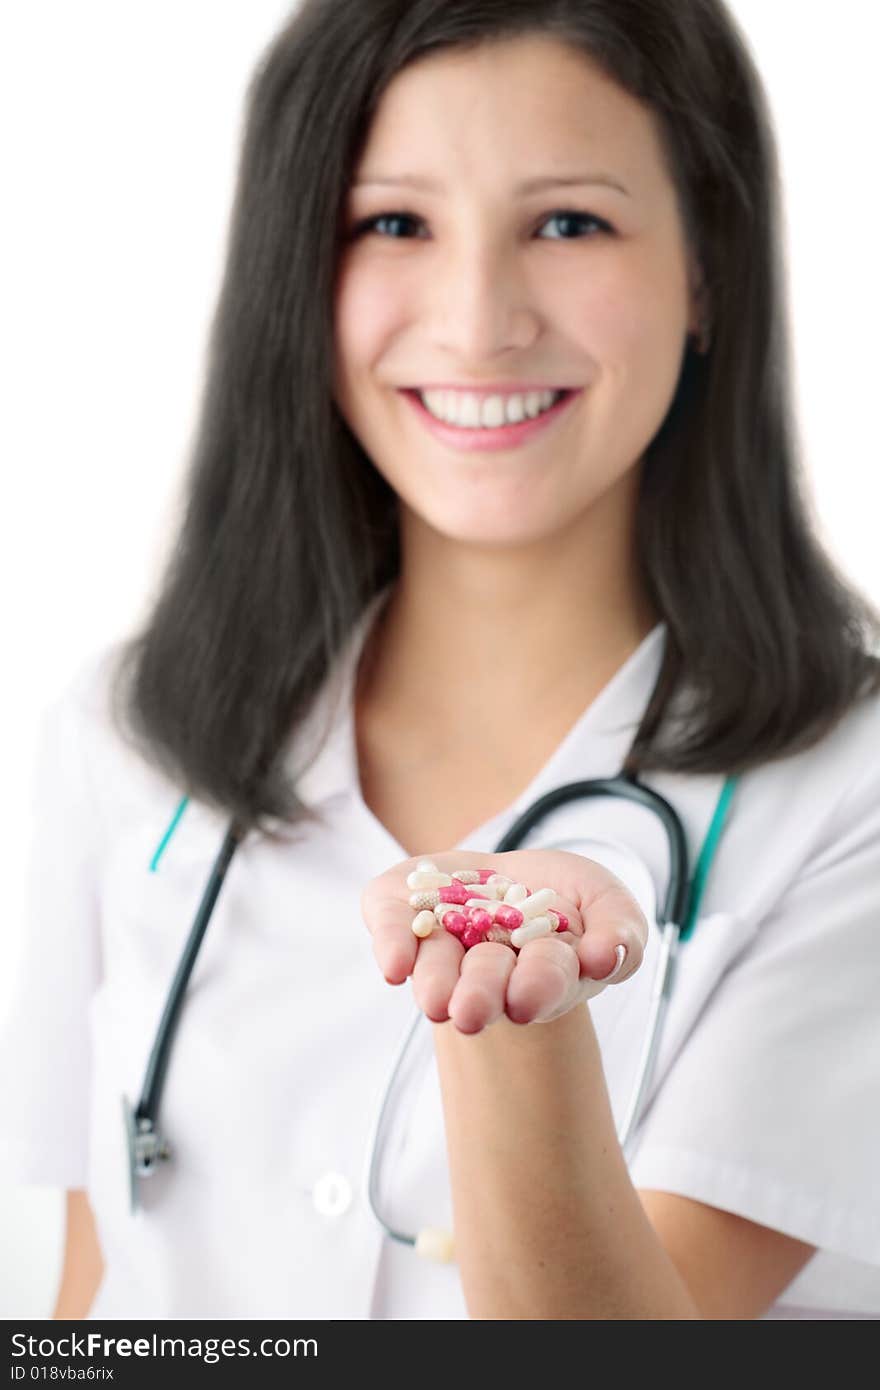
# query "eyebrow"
(533, 185)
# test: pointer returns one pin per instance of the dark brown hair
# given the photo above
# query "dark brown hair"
(289, 529)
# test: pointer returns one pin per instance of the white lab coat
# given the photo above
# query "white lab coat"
(765, 1096)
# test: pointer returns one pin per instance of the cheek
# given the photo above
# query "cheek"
(367, 314)
(624, 317)
(629, 320)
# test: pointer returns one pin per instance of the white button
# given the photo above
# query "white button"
(332, 1194)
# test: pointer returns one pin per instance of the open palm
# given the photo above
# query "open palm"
(546, 978)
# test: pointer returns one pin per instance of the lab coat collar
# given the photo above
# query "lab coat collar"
(594, 746)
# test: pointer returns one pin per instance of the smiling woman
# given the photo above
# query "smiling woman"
(481, 313)
(494, 489)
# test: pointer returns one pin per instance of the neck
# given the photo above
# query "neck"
(486, 638)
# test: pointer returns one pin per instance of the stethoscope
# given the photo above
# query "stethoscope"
(676, 920)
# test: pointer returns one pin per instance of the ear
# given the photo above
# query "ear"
(699, 314)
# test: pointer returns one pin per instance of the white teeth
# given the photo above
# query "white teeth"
(470, 411)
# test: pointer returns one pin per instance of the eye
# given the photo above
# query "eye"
(569, 217)
(566, 217)
(394, 219)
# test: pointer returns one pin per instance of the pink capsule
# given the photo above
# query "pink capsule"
(473, 937)
(481, 919)
(455, 893)
(455, 922)
(509, 916)
(563, 921)
(485, 873)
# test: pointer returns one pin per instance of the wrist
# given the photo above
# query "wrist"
(505, 1044)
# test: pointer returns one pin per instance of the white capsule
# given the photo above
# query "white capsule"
(530, 907)
(529, 931)
(516, 892)
(425, 897)
(426, 878)
(499, 881)
(435, 1244)
(466, 875)
(490, 904)
(423, 923)
(494, 890)
(500, 934)
(427, 866)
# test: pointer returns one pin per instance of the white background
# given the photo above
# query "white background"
(120, 137)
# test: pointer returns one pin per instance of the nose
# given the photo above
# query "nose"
(481, 306)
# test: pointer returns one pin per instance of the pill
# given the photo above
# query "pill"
(508, 916)
(427, 866)
(558, 920)
(455, 922)
(423, 923)
(487, 890)
(466, 875)
(441, 910)
(485, 873)
(455, 893)
(530, 907)
(429, 898)
(420, 878)
(481, 919)
(529, 931)
(497, 933)
(499, 881)
(489, 905)
(516, 892)
(471, 936)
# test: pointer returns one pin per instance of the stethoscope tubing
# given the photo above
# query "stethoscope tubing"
(145, 1145)
(157, 1066)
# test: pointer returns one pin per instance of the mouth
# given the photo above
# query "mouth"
(486, 420)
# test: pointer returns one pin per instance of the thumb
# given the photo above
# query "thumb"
(627, 866)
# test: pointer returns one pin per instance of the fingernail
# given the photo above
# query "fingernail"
(621, 957)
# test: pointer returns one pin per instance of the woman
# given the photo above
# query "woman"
(390, 622)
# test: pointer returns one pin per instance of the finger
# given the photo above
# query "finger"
(544, 978)
(614, 920)
(389, 914)
(478, 997)
(394, 946)
(435, 974)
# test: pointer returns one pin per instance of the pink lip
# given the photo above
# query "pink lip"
(502, 437)
(491, 388)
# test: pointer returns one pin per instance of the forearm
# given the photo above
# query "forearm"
(547, 1221)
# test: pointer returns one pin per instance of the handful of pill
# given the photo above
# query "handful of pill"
(481, 905)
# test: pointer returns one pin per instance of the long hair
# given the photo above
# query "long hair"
(288, 529)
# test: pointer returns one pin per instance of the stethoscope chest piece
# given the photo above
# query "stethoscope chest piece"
(145, 1148)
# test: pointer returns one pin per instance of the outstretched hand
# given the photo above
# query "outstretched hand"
(540, 982)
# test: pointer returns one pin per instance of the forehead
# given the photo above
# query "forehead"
(515, 101)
